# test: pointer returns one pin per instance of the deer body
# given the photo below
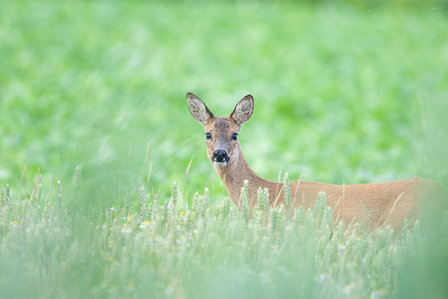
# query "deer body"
(374, 204)
(367, 203)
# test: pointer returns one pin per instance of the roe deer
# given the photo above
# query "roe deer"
(375, 204)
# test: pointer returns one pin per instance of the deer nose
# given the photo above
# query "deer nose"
(220, 156)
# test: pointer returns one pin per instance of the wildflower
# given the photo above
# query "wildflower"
(146, 224)
(341, 246)
(182, 213)
(126, 230)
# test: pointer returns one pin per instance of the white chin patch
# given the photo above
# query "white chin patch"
(220, 164)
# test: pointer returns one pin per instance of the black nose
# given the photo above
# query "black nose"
(220, 156)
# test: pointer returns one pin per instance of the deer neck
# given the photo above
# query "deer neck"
(234, 175)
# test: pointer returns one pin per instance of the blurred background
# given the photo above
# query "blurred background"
(345, 91)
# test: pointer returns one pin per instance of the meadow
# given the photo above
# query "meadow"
(105, 188)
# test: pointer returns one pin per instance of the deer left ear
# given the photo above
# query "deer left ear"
(243, 110)
(198, 109)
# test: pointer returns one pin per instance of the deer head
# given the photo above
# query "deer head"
(221, 133)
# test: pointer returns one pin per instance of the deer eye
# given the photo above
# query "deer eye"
(208, 135)
(234, 136)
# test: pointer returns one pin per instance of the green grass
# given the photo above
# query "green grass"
(343, 94)
(160, 251)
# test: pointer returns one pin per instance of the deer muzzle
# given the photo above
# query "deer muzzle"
(220, 158)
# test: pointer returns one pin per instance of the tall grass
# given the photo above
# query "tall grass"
(161, 248)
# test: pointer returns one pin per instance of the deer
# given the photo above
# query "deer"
(371, 204)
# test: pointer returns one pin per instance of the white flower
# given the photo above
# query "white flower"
(146, 224)
(341, 246)
(126, 230)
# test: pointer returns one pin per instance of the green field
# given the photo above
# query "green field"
(94, 130)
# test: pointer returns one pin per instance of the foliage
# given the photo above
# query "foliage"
(160, 251)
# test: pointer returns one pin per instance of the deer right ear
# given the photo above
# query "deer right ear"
(198, 109)
(243, 110)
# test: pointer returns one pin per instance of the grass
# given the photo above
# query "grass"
(148, 249)
(92, 94)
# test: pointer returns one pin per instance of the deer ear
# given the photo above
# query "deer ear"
(243, 110)
(198, 109)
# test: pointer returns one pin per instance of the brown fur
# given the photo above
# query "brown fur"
(373, 204)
